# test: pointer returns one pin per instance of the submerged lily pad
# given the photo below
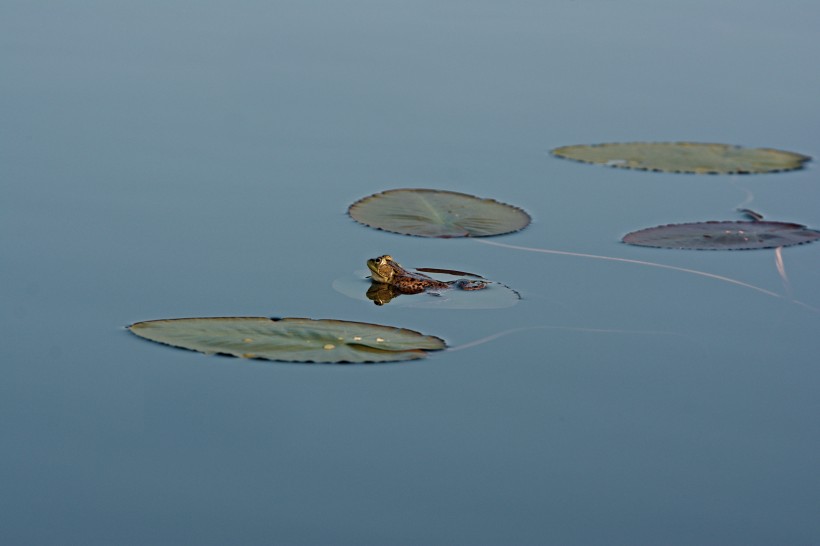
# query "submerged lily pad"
(437, 213)
(685, 157)
(494, 296)
(290, 339)
(723, 235)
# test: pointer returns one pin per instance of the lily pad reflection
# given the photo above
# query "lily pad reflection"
(723, 235)
(290, 339)
(685, 157)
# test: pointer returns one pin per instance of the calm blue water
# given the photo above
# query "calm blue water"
(172, 159)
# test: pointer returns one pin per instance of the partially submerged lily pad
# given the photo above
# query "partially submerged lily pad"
(685, 157)
(723, 235)
(437, 213)
(495, 296)
(290, 339)
(452, 272)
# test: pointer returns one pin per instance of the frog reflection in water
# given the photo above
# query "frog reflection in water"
(390, 280)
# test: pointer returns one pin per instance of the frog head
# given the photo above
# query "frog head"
(383, 269)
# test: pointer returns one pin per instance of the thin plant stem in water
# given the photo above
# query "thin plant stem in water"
(781, 270)
(503, 333)
(750, 196)
(778, 252)
(651, 264)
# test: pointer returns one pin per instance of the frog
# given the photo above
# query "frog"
(390, 279)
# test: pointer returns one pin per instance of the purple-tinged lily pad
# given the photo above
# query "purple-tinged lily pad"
(448, 272)
(437, 213)
(723, 235)
(685, 157)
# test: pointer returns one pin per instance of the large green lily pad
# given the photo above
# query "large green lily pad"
(723, 235)
(685, 157)
(437, 213)
(290, 339)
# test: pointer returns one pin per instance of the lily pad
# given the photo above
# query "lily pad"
(685, 157)
(290, 339)
(437, 213)
(723, 235)
(452, 272)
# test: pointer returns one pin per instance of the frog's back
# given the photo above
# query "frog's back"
(387, 271)
(413, 283)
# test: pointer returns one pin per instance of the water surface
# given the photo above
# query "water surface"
(172, 159)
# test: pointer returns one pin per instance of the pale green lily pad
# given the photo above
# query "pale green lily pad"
(290, 339)
(685, 157)
(437, 213)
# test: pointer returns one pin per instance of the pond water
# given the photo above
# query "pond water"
(176, 159)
